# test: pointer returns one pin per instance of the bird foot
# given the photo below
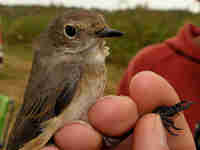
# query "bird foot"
(167, 112)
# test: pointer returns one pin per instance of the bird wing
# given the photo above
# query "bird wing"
(56, 89)
(45, 98)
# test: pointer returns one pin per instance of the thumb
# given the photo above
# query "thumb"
(150, 134)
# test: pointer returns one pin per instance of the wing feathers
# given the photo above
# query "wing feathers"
(41, 104)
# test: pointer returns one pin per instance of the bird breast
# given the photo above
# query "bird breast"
(90, 88)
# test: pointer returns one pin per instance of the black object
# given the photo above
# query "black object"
(107, 32)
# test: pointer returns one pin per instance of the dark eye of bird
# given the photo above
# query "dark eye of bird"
(70, 30)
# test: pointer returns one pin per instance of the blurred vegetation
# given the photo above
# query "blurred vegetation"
(142, 27)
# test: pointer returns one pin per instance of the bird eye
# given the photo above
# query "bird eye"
(70, 31)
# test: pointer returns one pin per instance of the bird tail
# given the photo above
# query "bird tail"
(22, 131)
(48, 129)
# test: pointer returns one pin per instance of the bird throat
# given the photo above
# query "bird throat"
(97, 54)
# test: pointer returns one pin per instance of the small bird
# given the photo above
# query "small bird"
(68, 76)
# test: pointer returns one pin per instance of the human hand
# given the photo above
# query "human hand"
(114, 115)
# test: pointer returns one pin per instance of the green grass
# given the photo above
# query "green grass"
(142, 27)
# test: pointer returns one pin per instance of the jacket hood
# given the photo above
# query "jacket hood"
(184, 41)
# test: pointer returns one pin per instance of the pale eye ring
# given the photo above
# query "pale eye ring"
(69, 31)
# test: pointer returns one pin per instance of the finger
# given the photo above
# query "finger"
(149, 91)
(78, 136)
(113, 115)
(150, 134)
(50, 148)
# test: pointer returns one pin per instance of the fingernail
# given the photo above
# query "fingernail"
(159, 130)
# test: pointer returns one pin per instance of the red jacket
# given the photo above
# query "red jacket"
(178, 61)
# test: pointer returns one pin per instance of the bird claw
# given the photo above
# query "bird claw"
(166, 112)
(168, 124)
(183, 105)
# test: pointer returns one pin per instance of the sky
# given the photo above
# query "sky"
(191, 5)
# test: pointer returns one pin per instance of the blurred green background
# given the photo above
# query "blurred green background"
(142, 27)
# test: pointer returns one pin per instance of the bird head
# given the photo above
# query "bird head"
(79, 31)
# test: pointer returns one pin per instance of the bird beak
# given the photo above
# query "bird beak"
(107, 32)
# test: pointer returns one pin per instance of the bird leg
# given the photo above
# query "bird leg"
(166, 113)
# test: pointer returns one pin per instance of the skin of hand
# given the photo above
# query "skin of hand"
(114, 115)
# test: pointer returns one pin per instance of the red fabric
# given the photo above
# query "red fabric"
(180, 71)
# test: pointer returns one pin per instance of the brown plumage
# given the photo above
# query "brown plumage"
(68, 75)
